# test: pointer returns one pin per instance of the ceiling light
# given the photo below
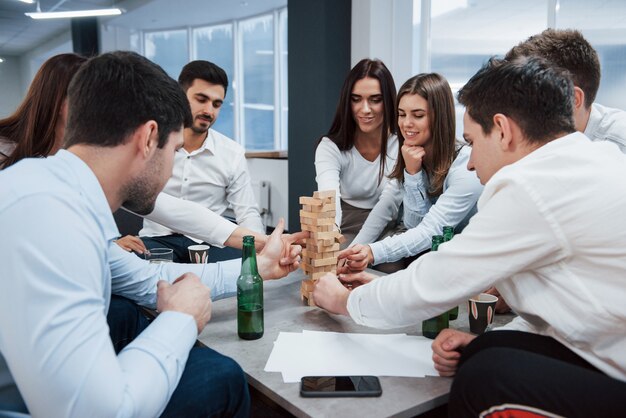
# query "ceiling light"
(1, 59)
(27, 1)
(75, 13)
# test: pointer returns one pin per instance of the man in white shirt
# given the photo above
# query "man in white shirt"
(550, 234)
(568, 49)
(210, 169)
(71, 348)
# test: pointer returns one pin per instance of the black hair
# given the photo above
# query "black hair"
(538, 96)
(114, 93)
(203, 70)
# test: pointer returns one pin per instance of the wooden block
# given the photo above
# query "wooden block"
(306, 200)
(340, 239)
(307, 208)
(308, 285)
(316, 276)
(318, 221)
(324, 262)
(311, 254)
(328, 235)
(323, 208)
(324, 193)
(307, 268)
(328, 214)
(313, 247)
(316, 228)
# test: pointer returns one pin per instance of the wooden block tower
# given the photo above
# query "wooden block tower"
(322, 247)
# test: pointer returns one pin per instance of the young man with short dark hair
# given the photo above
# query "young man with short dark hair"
(549, 234)
(210, 168)
(568, 49)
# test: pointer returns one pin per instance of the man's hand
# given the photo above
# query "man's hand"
(279, 257)
(187, 295)
(447, 350)
(501, 305)
(354, 280)
(331, 295)
(132, 243)
(413, 156)
(354, 259)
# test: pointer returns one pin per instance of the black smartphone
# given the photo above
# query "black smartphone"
(333, 386)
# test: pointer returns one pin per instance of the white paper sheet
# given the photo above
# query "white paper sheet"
(312, 353)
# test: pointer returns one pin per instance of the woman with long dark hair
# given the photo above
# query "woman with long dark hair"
(358, 152)
(438, 189)
(37, 127)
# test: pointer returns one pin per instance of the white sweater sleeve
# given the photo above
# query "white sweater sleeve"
(328, 171)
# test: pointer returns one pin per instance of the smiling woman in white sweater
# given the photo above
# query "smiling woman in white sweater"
(358, 152)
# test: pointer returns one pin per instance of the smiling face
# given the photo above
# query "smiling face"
(413, 120)
(486, 157)
(367, 105)
(206, 101)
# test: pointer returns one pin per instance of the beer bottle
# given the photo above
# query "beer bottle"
(448, 233)
(431, 327)
(249, 294)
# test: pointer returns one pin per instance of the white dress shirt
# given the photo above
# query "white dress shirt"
(356, 179)
(424, 218)
(607, 124)
(550, 233)
(59, 269)
(214, 176)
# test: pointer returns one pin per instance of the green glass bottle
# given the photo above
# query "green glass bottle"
(431, 327)
(249, 294)
(448, 233)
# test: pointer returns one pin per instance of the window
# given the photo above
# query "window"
(455, 37)
(253, 52)
(215, 44)
(168, 49)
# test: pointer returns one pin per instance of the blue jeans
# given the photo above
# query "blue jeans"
(212, 385)
(179, 244)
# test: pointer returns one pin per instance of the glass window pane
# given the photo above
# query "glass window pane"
(257, 43)
(259, 128)
(284, 97)
(215, 44)
(168, 49)
(603, 25)
(466, 33)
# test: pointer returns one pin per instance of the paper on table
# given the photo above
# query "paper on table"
(329, 353)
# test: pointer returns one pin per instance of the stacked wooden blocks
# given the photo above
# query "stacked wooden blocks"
(322, 247)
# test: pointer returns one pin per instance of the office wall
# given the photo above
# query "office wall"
(319, 59)
(10, 82)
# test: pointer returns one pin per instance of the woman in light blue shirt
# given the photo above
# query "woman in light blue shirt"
(438, 189)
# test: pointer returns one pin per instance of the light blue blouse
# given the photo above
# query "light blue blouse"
(425, 217)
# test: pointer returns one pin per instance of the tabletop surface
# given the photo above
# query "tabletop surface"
(283, 310)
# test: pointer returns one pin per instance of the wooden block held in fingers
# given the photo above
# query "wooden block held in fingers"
(320, 194)
(324, 262)
(340, 239)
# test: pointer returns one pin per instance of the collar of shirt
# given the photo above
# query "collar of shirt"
(595, 117)
(208, 145)
(86, 182)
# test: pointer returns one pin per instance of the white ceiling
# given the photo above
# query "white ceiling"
(20, 34)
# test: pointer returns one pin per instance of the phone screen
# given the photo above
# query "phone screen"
(340, 386)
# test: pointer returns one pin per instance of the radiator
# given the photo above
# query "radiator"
(262, 195)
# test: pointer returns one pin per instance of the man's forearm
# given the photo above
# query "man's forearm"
(235, 240)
